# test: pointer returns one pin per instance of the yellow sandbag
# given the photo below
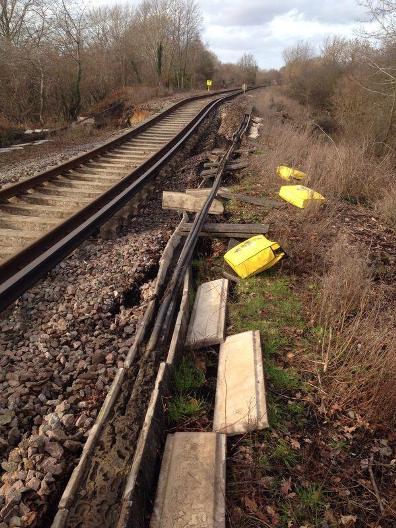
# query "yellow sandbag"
(253, 256)
(299, 195)
(289, 174)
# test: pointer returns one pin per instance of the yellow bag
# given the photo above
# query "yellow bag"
(253, 256)
(289, 174)
(299, 195)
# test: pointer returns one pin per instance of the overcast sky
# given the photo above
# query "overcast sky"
(266, 27)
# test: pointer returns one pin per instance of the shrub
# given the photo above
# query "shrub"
(358, 336)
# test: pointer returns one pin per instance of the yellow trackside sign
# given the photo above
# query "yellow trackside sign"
(209, 82)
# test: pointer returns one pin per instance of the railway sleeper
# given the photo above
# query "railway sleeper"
(88, 177)
(108, 165)
(50, 199)
(134, 152)
(108, 231)
(165, 136)
(55, 190)
(33, 223)
(104, 172)
(64, 181)
(17, 238)
(119, 157)
(147, 140)
(25, 209)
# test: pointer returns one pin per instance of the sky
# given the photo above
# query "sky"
(266, 27)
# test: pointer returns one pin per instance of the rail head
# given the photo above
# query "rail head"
(22, 270)
(22, 186)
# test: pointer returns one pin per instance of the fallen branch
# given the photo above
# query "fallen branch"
(375, 487)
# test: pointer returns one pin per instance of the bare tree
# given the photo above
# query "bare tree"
(58, 58)
(249, 68)
(17, 19)
(70, 35)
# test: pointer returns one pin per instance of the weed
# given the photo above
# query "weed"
(311, 502)
(296, 409)
(188, 377)
(359, 338)
(386, 207)
(182, 407)
(339, 445)
(282, 453)
(263, 461)
(277, 413)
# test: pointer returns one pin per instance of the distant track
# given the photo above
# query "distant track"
(44, 218)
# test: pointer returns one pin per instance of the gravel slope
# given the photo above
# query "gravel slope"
(60, 345)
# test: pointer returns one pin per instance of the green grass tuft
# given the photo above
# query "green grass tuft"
(183, 407)
(282, 453)
(283, 379)
(266, 303)
(311, 500)
(188, 377)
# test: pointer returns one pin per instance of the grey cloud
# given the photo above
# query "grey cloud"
(257, 12)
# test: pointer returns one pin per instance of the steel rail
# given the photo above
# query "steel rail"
(151, 345)
(167, 308)
(25, 268)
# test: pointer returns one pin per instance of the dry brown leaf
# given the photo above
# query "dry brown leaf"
(295, 444)
(348, 520)
(250, 504)
(266, 482)
(274, 515)
(286, 487)
(330, 518)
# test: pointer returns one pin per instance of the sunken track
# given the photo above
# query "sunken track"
(44, 218)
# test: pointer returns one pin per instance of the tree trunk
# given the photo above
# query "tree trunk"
(42, 95)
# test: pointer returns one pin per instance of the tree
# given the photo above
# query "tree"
(58, 58)
(70, 34)
(18, 20)
(248, 65)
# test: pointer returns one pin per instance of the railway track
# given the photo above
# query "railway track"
(112, 484)
(44, 218)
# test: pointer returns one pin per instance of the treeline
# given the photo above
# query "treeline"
(351, 84)
(58, 58)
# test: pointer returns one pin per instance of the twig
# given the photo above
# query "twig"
(375, 487)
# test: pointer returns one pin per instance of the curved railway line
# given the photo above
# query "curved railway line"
(44, 218)
(112, 484)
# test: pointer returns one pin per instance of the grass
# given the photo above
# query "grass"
(306, 507)
(281, 413)
(266, 303)
(188, 377)
(182, 407)
(311, 504)
(282, 453)
(185, 403)
(283, 379)
(339, 445)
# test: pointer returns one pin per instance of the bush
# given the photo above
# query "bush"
(386, 207)
(358, 336)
